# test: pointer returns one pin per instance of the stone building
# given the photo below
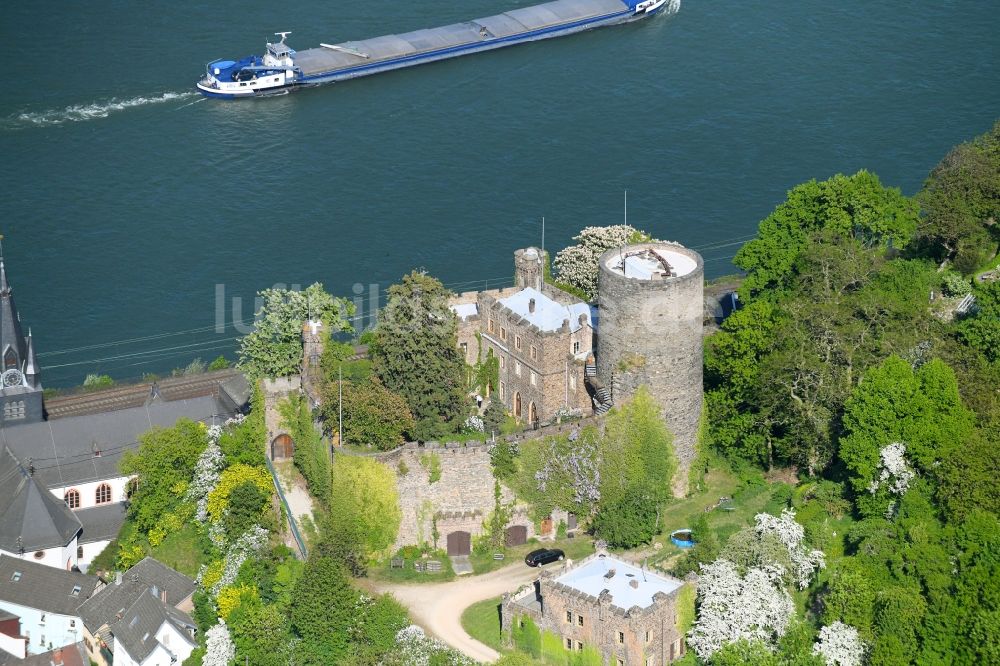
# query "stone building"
(541, 336)
(626, 613)
(651, 304)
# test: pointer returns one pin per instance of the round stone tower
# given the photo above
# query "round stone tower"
(650, 299)
(528, 268)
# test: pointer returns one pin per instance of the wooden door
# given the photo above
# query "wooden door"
(459, 543)
(516, 535)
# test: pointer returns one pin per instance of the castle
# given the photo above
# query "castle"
(559, 356)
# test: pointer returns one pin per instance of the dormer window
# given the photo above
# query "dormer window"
(15, 577)
(76, 590)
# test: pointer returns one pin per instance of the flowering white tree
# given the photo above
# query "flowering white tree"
(219, 648)
(840, 645)
(894, 472)
(577, 264)
(792, 534)
(249, 543)
(415, 648)
(210, 463)
(733, 607)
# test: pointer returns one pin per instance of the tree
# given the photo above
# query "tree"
(856, 206)
(637, 452)
(577, 264)
(163, 465)
(246, 503)
(274, 347)
(961, 203)
(261, 635)
(324, 607)
(982, 330)
(494, 416)
(733, 607)
(628, 519)
(374, 416)
(895, 404)
(219, 648)
(415, 353)
(232, 477)
(366, 502)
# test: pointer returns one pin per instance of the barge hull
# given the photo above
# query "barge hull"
(553, 19)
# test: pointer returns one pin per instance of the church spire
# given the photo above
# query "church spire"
(13, 345)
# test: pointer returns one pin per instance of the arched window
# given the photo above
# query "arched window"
(72, 499)
(103, 493)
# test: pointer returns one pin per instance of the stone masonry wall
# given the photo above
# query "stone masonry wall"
(465, 487)
(651, 333)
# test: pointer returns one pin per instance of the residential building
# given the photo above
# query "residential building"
(101, 614)
(67, 655)
(628, 614)
(151, 633)
(46, 600)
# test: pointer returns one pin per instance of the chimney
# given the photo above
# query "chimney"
(610, 574)
(634, 584)
(57, 657)
(163, 596)
(118, 578)
(531, 305)
(582, 320)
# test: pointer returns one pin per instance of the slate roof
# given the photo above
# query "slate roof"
(148, 577)
(62, 450)
(628, 584)
(101, 523)
(43, 587)
(71, 655)
(136, 631)
(549, 314)
(29, 511)
(10, 323)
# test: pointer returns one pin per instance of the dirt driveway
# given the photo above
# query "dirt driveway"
(438, 607)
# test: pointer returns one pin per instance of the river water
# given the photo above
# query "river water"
(130, 204)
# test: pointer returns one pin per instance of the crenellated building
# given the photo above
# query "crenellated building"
(541, 337)
(625, 613)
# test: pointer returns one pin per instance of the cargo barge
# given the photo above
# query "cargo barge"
(282, 69)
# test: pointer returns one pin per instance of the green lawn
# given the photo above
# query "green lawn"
(718, 483)
(482, 622)
(382, 571)
(180, 551)
(575, 549)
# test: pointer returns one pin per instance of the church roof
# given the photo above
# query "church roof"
(30, 512)
(10, 324)
(64, 451)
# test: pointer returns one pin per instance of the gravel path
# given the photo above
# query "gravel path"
(438, 607)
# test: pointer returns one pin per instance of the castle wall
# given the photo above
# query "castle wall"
(651, 334)
(461, 499)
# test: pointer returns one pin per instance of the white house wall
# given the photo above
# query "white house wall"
(13, 645)
(158, 657)
(88, 491)
(61, 557)
(55, 631)
(174, 641)
(90, 551)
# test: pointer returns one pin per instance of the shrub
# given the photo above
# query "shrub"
(219, 363)
(218, 499)
(432, 463)
(955, 285)
(94, 381)
(526, 636)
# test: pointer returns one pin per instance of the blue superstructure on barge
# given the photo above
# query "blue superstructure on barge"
(282, 69)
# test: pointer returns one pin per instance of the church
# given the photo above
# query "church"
(64, 498)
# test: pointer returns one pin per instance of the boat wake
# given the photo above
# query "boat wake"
(81, 112)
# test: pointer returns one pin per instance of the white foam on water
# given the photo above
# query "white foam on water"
(81, 112)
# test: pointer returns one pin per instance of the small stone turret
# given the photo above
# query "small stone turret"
(528, 270)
